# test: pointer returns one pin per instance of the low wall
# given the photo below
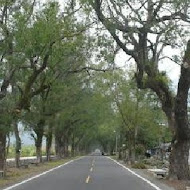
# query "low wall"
(25, 160)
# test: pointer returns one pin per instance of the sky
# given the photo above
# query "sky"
(26, 138)
(171, 68)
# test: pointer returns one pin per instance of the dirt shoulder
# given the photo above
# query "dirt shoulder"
(163, 184)
(15, 175)
(177, 185)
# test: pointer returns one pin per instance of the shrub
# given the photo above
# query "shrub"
(139, 165)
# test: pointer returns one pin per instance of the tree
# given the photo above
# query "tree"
(35, 59)
(10, 64)
(131, 24)
(5, 126)
(36, 44)
(72, 116)
(136, 111)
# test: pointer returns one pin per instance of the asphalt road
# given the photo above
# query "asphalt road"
(87, 173)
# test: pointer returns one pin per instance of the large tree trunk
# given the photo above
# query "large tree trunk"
(56, 146)
(8, 143)
(120, 149)
(39, 152)
(60, 149)
(179, 167)
(131, 147)
(59, 145)
(38, 145)
(17, 145)
(2, 151)
(132, 156)
(73, 146)
(39, 130)
(66, 147)
(49, 138)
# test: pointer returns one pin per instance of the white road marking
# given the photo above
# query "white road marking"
(91, 169)
(93, 162)
(88, 179)
(39, 175)
(137, 175)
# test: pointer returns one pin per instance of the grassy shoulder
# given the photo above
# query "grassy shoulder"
(15, 175)
(27, 151)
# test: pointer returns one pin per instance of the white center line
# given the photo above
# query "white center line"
(88, 179)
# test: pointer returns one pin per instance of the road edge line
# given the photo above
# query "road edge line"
(137, 175)
(39, 175)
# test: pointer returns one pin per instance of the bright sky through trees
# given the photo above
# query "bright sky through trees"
(172, 69)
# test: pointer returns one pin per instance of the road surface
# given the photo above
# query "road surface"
(87, 173)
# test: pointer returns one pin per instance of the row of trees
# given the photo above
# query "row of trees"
(40, 52)
(138, 119)
(45, 78)
(143, 30)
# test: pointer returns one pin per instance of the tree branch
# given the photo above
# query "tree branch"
(112, 28)
(87, 69)
(6, 83)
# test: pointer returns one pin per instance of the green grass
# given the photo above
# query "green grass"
(139, 165)
(26, 151)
